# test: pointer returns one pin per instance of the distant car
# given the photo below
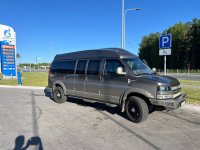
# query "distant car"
(115, 76)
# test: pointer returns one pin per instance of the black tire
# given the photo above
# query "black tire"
(58, 95)
(136, 109)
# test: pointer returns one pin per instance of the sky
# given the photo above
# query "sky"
(45, 28)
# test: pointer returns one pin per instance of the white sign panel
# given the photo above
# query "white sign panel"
(163, 52)
(7, 35)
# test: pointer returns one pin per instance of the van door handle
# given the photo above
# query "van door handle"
(129, 80)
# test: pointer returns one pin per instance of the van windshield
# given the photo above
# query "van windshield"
(137, 66)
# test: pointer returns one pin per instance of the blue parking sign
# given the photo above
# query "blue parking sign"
(165, 41)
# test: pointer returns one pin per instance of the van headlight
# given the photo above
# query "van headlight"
(163, 88)
(162, 91)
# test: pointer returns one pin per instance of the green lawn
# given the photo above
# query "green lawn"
(193, 94)
(190, 82)
(29, 79)
(41, 78)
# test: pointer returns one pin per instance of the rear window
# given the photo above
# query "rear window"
(63, 66)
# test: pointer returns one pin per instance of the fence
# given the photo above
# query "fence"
(180, 71)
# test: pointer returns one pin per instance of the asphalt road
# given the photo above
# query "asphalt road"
(28, 118)
(185, 76)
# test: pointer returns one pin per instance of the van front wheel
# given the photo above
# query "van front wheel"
(136, 109)
(58, 95)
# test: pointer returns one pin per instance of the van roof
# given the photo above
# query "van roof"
(97, 53)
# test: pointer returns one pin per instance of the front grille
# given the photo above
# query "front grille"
(169, 104)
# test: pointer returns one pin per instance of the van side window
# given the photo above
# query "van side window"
(80, 69)
(63, 66)
(111, 66)
(93, 67)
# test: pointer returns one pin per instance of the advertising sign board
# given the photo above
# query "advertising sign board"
(7, 51)
(8, 60)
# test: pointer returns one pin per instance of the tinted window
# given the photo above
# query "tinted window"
(93, 67)
(111, 66)
(80, 69)
(137, 66)
(63, 66)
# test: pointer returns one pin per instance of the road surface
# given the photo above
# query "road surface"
(195, 77)
(29, 118)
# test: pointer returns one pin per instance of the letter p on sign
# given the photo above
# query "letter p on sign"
(165, 41)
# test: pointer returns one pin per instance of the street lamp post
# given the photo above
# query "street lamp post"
(123, 23)
(122, 34)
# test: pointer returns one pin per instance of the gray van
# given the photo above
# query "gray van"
(114, 76)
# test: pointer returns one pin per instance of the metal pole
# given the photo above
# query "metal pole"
(124, 30)
(122, 36)
(165, 58)
(36, 62)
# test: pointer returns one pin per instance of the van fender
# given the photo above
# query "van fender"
(133, 90)
(60, 83)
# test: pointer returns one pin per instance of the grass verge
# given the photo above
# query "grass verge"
(29, 79)
(193, 95)
(190, 82)
(192, 91)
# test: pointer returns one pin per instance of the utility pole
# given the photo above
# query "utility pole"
(124, 11)
(122, 36)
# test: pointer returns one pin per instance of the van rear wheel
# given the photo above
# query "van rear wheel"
(136, 109)
(58, 95)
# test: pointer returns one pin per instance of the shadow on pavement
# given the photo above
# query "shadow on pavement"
(101, 107)
(32, 142)
(96, 105)
(112, 110)
(181, 118)
(47, 93)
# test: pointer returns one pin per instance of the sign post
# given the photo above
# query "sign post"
(165, 43)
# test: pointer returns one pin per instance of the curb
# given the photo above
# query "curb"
(22, 87)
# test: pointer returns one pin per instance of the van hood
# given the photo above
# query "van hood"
(167, 80)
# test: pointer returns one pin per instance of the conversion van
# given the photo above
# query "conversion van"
(113, 76)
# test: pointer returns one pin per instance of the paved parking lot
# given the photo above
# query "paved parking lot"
(28, 118)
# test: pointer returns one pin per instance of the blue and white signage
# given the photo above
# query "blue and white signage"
(7, 51)
(8, 60)
(165, 41)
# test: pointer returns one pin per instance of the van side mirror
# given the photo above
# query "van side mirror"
(120, 71)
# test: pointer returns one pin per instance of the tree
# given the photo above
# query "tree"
(18, 56)
(185, 46)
